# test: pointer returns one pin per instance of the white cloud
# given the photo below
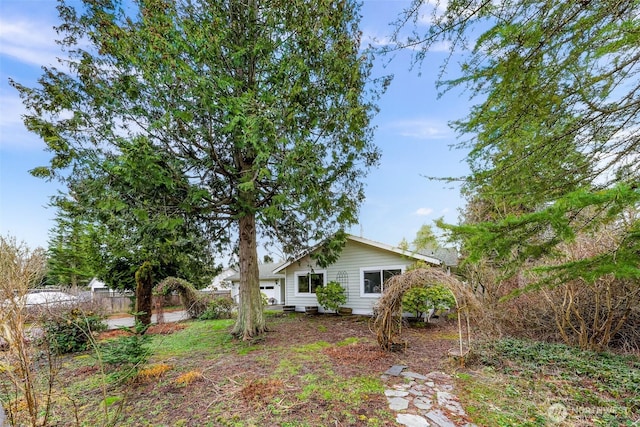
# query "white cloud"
(12, 108)
(424, 211)
(13, 134)
(375, 40)
(422, 129)
(28, 41)
(431, 8)
(380, 41)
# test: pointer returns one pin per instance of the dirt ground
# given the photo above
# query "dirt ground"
(233, 390)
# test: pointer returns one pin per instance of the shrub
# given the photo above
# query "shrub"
(332, 296)
(219, 308)
(127, 353)
(543, 303)
(421, 300)
(71, 330)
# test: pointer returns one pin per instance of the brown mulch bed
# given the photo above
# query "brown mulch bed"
(426, 350)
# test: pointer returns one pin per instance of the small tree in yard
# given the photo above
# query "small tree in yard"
(20, 269)
(421, 300)
(331, 296)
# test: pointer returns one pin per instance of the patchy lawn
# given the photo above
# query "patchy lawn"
(306, 371)
(325, 371)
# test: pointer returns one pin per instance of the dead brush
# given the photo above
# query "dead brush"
(261, 390)
(153, 372)
(20, 270)
(188, 378)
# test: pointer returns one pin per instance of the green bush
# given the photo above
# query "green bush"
(421, 300)
(219, 308)
(128, 354)
(332, 296)
(70, 331)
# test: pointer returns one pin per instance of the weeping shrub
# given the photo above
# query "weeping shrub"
(194, 302)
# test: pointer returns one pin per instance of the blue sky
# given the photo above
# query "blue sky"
(412, 133)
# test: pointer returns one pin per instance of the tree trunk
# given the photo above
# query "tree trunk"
(250, 321)
(144, 293)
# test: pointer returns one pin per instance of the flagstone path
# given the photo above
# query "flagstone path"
(423, 400)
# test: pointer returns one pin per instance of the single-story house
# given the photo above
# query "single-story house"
(361, 269)
(271, 283)
(221, 285)
(97, 285)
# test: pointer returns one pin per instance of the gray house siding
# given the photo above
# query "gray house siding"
(356, 258)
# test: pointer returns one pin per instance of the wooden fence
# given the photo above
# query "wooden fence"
(118, 302)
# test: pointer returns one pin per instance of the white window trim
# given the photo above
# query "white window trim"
(305, 273)
(374, 268)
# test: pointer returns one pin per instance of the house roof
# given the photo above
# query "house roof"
(265, 272)
(362, 240)
(449, 256)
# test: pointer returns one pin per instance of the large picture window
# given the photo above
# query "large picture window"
(307, 282)
(372, 279)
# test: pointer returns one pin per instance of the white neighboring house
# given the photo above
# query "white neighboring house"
(361, 269)
(271, 283)
(221, 283)
(97, 285)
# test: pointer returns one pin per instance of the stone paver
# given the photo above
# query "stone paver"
(439, 419)
(398, 403)
(414, 375)
(395, 370)
(423, 400)
(423, 403)
(411, 420)
(396, 393)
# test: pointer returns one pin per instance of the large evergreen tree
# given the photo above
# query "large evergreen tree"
(264, 104)
(555, 134)
(70, 256)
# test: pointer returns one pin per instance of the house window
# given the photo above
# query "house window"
(372, 279)
(307, 282)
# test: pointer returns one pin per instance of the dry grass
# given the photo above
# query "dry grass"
(260, 390)
(153, 372)
(188, 378)
(355, 354)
